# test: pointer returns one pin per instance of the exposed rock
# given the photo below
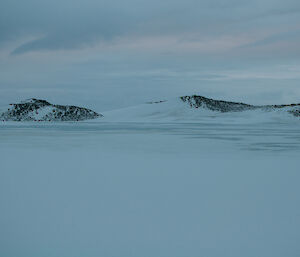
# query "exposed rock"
(196, 101)
(216, 105)
(157, 102)
(41, 110)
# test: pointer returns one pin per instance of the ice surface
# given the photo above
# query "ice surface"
(220, 187)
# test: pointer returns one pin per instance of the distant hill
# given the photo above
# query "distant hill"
(189, 108)
(41, 110)
(196, 101)
(196, 108)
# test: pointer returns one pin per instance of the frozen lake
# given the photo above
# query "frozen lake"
(212, 188)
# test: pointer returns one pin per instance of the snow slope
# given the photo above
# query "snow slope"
(177, 110)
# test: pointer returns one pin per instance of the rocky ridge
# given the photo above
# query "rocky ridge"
(41, 110)
(196, 101)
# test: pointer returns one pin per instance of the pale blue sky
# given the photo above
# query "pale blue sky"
(109, 54)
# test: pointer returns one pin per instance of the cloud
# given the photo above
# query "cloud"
(67, 24)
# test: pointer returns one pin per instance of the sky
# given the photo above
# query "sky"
(112, 54)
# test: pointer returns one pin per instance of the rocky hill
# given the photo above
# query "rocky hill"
(41, 110)
(196, 101)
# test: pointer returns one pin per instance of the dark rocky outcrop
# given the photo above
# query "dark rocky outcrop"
(41, 110)
(196, 101)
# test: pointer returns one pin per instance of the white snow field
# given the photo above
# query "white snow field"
(152, 180)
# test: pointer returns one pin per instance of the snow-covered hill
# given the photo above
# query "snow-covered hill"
(196, 101)
(193, 108)
(41, 110)
(198, 108)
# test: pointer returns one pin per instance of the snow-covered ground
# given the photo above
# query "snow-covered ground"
(152, 181)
